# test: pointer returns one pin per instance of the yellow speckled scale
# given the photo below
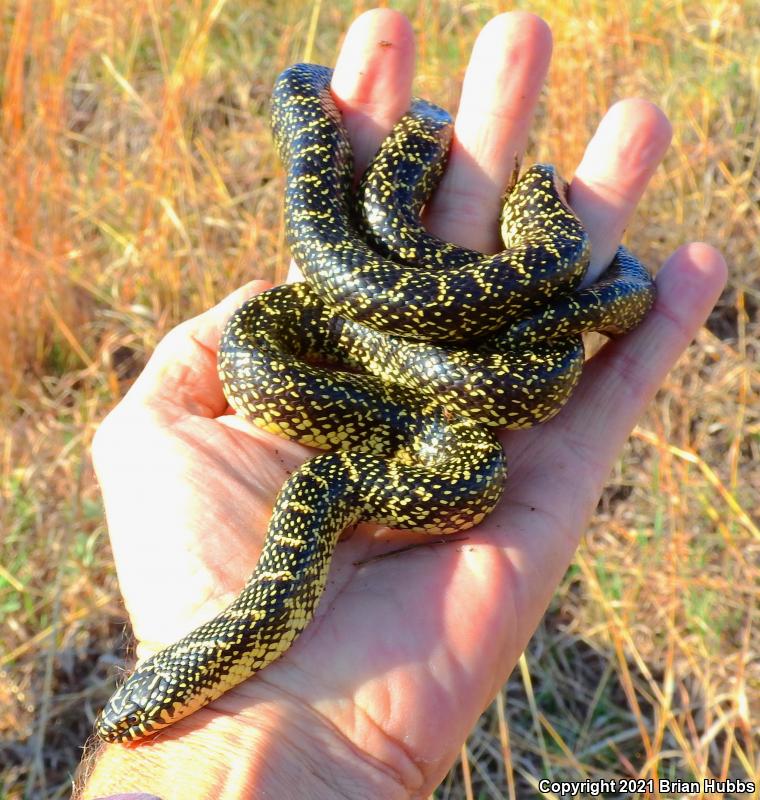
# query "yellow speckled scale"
(399, 356)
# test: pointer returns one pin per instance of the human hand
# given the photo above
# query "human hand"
(404, 652)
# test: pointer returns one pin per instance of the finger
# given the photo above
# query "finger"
(181, 373)
(372, 82)
(558, 469)
(620, 159)
(618, 383)
(499, 95)
(294, 273)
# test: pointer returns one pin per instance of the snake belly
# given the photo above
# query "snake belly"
(399, 356)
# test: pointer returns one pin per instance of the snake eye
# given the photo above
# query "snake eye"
(132, 720)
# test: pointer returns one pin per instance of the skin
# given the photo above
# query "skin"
(379, 692)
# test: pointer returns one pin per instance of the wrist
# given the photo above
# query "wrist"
(221, 754)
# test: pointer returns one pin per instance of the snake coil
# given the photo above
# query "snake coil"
(400, 355)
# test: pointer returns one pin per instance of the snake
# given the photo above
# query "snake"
(399, 355)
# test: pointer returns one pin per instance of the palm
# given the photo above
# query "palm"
(421, 639)
(382, 620)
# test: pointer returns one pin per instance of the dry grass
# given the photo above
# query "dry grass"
(138, 184)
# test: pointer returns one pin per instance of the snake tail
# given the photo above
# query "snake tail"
(316, 504)
(261, 623)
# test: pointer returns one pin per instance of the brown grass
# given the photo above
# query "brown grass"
(138, 185)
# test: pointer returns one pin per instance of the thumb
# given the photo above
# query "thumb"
(180, 376)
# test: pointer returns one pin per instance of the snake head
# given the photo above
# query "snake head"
(145, 703)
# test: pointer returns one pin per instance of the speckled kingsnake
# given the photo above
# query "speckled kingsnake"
(439, 344)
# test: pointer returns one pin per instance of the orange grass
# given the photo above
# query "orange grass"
(138, 185)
